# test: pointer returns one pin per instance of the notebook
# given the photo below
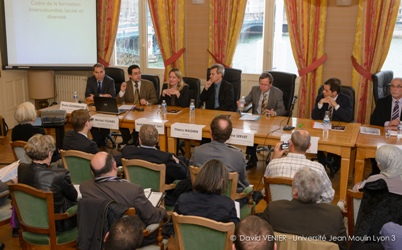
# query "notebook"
(107, 105)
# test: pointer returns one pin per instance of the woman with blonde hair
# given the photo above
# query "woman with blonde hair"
(176, 92)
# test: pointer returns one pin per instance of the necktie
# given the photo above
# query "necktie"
(136, 94)
(264, 104)
(331, 111)
(99, 88)
(395, 111)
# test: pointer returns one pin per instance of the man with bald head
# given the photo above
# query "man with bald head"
(287, 166)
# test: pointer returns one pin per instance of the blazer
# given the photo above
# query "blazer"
(76, 141)
(382, 111)
(226, 97)
(23, 132)
(275, 100)
(108, 86)
(343, 114)
(147, 92)
(182, 101)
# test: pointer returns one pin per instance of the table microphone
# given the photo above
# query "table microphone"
(287, 127)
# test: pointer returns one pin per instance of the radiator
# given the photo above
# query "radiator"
(67, 84)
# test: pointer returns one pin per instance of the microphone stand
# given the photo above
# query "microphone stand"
(287, 127)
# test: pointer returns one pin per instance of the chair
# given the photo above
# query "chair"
(291, 241)
(79, 165)
(35, 211)
(117, 74)
(5, 209)
(286, 82)
(194, 232)
(194, 85)
(381, 82)
(278, 188)
(234, 77)
(19, 151)
(346, 90)
(155, 80)
(353, 200)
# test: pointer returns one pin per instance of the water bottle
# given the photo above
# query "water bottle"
(164, 111)
(400, 130)
(327, 125)
(75, 96)
(242, 103)
(192, 108)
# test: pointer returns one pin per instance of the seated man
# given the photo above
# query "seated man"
(175, 169)
(287, 166)
(303, 215)
(106, 185)
(126, 233)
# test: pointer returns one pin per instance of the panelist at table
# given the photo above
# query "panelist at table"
(176, 92)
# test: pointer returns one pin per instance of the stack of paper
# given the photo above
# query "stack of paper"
(9, 172)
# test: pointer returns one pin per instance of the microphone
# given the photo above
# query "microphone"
(287, 127)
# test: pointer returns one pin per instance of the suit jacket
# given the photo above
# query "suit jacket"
(147, 92)
(76, 141)
(108, 86)
(343, 114)
(174, 171)
(226, 97)
(22, 132)
(382, 111)
(275, 100)
(306, 219)
(183, 101)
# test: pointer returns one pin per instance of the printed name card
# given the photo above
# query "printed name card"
(159, 124)
(71, 106)
(314, 142)
(241, 137)
(186, 131)
(105, 121)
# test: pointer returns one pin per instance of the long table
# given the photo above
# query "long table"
(269, 130)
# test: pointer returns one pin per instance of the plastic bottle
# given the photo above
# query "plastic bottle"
(192, 108)
(242, 103)
(164, 110)
(400, 130)
(75, 96)
(327, 125)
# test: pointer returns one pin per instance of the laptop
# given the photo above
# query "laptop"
(107, 105)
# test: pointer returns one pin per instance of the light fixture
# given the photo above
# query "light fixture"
(343, 2)
(41, 86)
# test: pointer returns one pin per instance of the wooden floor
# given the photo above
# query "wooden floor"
(254, 176)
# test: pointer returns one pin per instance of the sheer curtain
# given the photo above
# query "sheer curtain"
(306, 22)
(108, 20)
(225, 23)
(375, 26)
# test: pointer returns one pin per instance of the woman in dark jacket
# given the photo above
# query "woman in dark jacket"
(176, 92)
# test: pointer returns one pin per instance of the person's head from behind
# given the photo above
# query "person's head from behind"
(80, 119)
(25, 113)
(389, 160)
(221, 128)
(216, 73)
(176, 79)
(212, 178)
(148, 135)
(98, 71)
(125, 234)
(299, 141)
(259, 234)
(40, 147)
(134, 72)
(307, 185)
(103, 164)
(266, 80)
(332, 87)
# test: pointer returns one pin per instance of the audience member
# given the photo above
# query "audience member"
(254, 233)
(125, 234)
(176, 92)
(392, 236)
(340, 109)
(40, 175)
(287, 166)
(265, 99)
(4, 187)
(207, 200)
(303, 215)
(218, 93)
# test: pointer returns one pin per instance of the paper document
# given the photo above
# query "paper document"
(249, 117)
(127, 107)
(369, 131)
(77, 187)
(237, 206)
(155, 198)
(9, 172)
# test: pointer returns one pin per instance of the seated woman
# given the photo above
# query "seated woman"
(40, 175)
(382, 196)
(176, 92)
(26, 116)
(207, 200)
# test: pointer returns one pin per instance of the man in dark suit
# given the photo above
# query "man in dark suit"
(217, 93)
(138, 91)
(303, 215)
(265, 99)
(99, 85)
(340, 109)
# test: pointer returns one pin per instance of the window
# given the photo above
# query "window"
(132, 33)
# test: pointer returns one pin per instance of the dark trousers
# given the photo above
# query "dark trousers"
(127, 136)
(252, 151)
(330, 160)
(99, 135)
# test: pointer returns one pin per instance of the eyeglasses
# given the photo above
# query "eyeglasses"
(396, 86)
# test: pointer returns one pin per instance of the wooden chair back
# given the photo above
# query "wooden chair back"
(79, 165)
(19, 151)
(278, 188)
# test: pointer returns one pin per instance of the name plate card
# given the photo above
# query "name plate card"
(71, 106)
(241, 137)
(186, 131)
(105, 121)
(159, 124)
(314, 143)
